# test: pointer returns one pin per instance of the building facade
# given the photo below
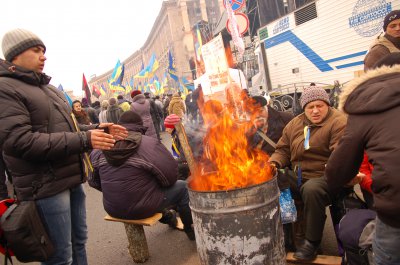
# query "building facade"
(171, 31)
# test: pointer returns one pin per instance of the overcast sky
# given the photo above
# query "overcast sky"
(82, 36)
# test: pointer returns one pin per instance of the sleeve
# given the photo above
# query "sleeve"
(345, 160)
(377, 52)
(281, 156)
(337, 131)
(18, 139)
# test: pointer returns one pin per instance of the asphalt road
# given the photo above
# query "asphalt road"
(107, 243)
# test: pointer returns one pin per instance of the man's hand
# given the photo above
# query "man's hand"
(274, 168)
(357, 179)
(101, 140)
(117, 131)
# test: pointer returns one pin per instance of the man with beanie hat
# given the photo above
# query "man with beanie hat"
(41, 145)
(139, 177)
(386, 44)
(305, 146)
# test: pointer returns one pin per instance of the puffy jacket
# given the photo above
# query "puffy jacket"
(373, 105)
(40, 145)
(133, 174)
(323, 139)
(177, 106)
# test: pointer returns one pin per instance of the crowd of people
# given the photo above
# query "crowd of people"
(319, 154)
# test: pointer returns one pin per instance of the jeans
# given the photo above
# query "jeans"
(64, 216)
(176, 195)
(386, 244)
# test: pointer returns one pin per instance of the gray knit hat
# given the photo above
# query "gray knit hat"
(313, 93)
(17, 41)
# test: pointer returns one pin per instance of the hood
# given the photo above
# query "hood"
(8, 69)
(139, 99)
(375, 91)
(124, 149)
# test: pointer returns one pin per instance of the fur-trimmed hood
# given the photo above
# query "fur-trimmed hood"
(375, 91)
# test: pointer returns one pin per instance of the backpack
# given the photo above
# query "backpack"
(356, 232)
(24, 232)
(4, 205)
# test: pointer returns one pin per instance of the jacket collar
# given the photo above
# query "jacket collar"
(8, 69)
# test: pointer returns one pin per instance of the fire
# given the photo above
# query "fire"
(228, 161)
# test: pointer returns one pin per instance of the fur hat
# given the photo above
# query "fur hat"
(395, 14)
(130, 117)
(17, 41)
(171, 120)
(135, 93)
(313, 93)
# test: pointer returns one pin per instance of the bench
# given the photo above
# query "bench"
(320, 260)
(136, 237)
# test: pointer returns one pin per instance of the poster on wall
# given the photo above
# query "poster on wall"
(216, 65)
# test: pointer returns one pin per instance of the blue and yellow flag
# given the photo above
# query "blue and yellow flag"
(150, 69)
(172, 67)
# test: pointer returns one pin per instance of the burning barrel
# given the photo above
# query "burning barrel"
(239, 226)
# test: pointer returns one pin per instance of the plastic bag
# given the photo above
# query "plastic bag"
(288, 208)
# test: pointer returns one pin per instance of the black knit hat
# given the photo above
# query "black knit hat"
(130, 117)
(17, 41)
(395, 14)
(259, 101)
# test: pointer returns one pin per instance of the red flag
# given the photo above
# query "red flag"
(85, 88)
(95, 91)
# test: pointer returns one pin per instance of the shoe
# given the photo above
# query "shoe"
(307, 251)
(190, 234)
(172, 221)
(169, 218)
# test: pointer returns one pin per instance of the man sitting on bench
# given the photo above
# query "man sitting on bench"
(306, 144)
(139, 177)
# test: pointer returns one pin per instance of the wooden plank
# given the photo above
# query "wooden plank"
(320, 260)
(147, 221)
(179, 225)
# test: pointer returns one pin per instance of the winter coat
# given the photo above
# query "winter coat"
(113, 113)
(124, 105)
(382, 46)
(103, 116)
(372, 102)
(142, 107)
(40, 145)
(323, 140)
(93, 115)
(133, 175)
(177, 106)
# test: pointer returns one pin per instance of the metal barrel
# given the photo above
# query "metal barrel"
(240, 226)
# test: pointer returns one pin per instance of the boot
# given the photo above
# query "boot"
(187, 220)
(307, 251)
(169, 217)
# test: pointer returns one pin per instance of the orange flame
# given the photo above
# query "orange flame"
(228, 161)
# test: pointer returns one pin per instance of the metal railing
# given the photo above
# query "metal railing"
(287, 97)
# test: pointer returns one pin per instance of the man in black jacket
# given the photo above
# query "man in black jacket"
(373, 104)
(42, 149)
